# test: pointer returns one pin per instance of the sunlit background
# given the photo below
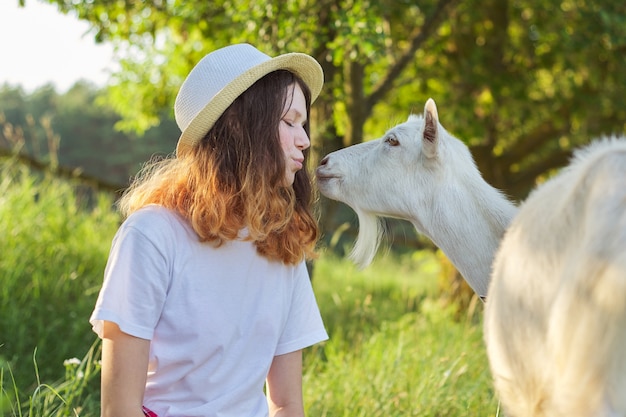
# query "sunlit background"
(40, 45)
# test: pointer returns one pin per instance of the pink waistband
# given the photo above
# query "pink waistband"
(148, 413)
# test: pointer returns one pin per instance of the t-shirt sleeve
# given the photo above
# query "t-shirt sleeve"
(304, 326)
(136, 281)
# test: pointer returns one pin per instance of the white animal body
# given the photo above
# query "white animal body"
(419, 172)
(555, 318)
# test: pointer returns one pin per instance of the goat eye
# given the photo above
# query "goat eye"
(392, 141)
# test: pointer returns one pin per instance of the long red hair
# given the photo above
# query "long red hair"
(234, 179)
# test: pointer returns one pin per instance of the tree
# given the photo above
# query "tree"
(530, 80)
(521, 81)
(72, 134)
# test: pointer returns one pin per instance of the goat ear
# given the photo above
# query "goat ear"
(430, 135)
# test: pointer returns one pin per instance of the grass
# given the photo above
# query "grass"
(54, 243)
(395, 348)
(75, 394)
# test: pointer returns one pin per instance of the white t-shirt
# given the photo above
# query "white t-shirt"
(216, 317)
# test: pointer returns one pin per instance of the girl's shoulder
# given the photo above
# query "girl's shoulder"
(155, 213)
(157, 221)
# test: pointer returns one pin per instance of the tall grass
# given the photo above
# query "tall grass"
(74, 395)
(394, 348)
(53, 247)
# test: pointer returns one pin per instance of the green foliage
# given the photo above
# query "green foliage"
(158, 42)
(522, 81)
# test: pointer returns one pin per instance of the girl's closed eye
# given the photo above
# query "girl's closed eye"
(292, 123)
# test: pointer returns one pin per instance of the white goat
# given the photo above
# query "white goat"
(420, 173)
(555, 321)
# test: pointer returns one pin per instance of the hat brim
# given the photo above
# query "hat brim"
(304, 66)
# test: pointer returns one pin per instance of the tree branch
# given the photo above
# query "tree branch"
(430, 25)
(64, 172)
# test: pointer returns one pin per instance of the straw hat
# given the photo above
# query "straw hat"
(223, 75)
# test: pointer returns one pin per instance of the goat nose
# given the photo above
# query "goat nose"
(324, 160)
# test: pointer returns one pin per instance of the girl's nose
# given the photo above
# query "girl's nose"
(302, 140)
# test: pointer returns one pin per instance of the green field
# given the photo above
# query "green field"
(395, 348)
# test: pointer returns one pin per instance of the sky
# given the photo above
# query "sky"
(39, 45)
